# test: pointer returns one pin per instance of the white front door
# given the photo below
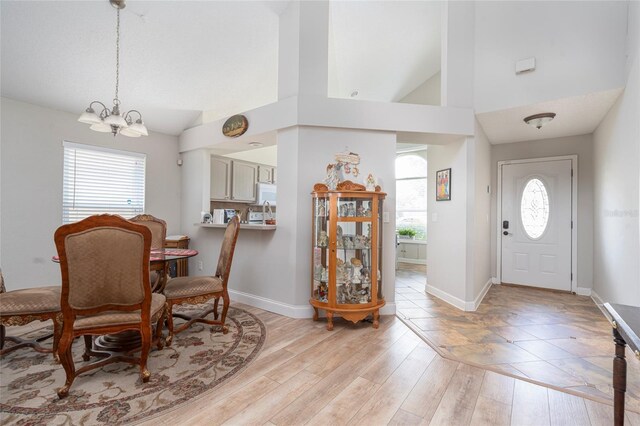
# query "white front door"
(536, 224)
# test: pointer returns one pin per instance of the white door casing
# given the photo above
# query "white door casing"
(536, 247)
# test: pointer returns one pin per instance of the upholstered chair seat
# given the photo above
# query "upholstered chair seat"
(200, 289)
(31, 301)
(20, 307)
(118, 317)
(193, 286)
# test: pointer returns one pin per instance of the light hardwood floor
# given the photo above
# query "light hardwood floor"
(358, 375)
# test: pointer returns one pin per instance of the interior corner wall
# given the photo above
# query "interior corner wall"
(479, 214)
(31, 192)
(428, 93)
(447, 230)
(616, 266)
(582, 146)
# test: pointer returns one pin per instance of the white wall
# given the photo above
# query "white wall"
(582, 146)
(579, 48)
(478, 215)
(447, 235)
(428, 93)
(458, 23)
(31, 169)
(271, 269)
(616, 269)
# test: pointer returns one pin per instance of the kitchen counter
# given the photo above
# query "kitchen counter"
(243, 226)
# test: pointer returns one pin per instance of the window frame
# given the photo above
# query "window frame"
(133, 163)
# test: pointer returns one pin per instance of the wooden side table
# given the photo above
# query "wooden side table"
(626, 327)
(181, 268)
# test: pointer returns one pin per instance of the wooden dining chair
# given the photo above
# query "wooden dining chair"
(104, 263)
(22, 306)
(158, 228)
(199, 289)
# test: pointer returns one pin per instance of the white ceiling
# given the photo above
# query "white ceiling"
(577, 115)
(180, 58)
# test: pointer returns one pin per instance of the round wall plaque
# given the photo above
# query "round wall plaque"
(235, 126)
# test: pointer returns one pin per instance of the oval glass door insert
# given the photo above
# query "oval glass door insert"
(534, 208)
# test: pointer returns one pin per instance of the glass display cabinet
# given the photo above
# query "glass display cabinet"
(346, 254)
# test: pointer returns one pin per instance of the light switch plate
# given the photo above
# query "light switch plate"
(385, 217)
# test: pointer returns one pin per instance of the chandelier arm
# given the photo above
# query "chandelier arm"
(130, 120)
(105, 110)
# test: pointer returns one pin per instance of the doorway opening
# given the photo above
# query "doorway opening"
(537, 227)
(411, 220)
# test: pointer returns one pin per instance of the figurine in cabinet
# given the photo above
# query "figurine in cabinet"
(357, 269)
(351, 210)
(323, 239)
(344, 210)
(348, 243)
(361, 242)
(322, 209)
(324, 275)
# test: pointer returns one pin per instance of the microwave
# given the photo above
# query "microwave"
(266, 192)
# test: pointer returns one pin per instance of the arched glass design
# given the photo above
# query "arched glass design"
(534, 208)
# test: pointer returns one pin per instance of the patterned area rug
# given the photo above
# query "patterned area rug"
(197, 362)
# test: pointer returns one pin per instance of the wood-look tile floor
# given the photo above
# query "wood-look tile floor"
(559, 339)
(358, 375)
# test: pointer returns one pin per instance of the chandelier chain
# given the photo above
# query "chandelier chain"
(116, 100)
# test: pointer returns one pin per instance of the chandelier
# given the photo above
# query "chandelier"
(111, 120)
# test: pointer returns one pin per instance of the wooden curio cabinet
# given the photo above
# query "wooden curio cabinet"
(346, 253)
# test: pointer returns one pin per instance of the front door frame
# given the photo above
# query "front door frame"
(574, 214)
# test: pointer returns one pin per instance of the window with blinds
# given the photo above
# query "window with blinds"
(100, 180)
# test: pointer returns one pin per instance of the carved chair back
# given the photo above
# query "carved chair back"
(158, 228)
(227, 249)
(104, 262)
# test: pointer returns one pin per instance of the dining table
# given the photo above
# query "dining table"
(159, 261)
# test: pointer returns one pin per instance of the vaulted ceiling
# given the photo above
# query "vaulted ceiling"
(180, 58)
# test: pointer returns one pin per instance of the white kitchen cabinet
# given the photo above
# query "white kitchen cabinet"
(265, 174)
(412, 251)
(220, 179)
(243, 182)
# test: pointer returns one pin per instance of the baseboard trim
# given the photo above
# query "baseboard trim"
(596, 298)
(495, 281)
(288, 310)
(583, 291)
(472, 306)
(443, 295)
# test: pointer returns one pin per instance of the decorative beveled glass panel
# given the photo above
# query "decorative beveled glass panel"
(354, 207)
(534, 208)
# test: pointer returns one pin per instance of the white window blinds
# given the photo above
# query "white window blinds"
(99, 180)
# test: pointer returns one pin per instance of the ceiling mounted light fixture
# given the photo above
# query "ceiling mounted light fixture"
(255, 144)
(111, 120)
(539, 120)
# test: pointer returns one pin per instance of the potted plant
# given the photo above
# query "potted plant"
(407, 233)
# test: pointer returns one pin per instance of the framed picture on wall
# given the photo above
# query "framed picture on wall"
(443, 185)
